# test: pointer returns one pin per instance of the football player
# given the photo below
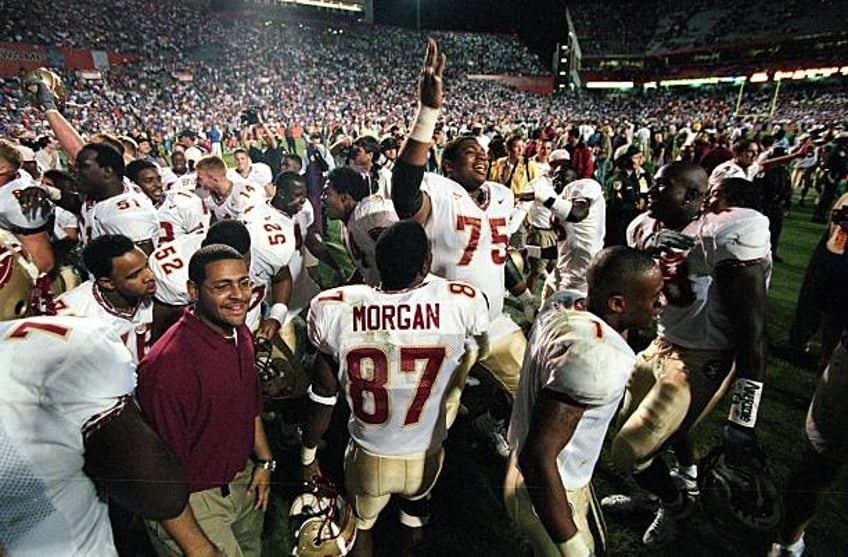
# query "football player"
(399, 354)
(466, 219)
(70, 421)
(230, 195)
(180, 212)
(121, 292)
(108, 204)
(571, 385)
(711, 333)
(362, 216)
(30, 221)
(258, 174)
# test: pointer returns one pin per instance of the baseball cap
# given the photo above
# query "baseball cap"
(559, 155)
(187, 133)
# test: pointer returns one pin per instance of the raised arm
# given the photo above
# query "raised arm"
(412, 158)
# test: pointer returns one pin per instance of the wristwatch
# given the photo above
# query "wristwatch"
(269, 465)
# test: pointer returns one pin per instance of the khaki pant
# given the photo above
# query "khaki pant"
(585, 512)
(371, 480)
(504, 360)
(229, 521)
(671, 390)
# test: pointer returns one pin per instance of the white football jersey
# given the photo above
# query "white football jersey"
(60, 379)
(64, 219)
(641, 230)
(579, 242)
(186, 182)
(359, 235)
(273, 245)
(169, 263)
(736, 234)
(130, 213)
(397, 354)
(730, 169)
(242, 196)
(180, 213)
(259, 176)
(469, 241)
(575, 353)
(133, 328)
(12, 217)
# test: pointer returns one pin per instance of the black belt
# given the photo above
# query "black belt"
(225, 491)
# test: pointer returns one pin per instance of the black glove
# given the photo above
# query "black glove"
(739, 443)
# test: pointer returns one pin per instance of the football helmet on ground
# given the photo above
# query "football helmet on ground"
(322, 522)
(739, 495)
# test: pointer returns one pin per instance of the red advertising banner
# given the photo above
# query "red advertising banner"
(540, 84)
(14, 56)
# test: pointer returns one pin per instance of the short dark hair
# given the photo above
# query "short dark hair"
(229, 232)
(400, 252)
(741, 145)
(135, 167)
(294, 158)
(289, 180)
(206, 255)
(58, 175)
(613, 271)
(100, 251)
(742, 193)
(107, 157)
(452, 148)
(345, 179)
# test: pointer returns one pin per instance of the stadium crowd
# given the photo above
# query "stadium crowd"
(198, 272)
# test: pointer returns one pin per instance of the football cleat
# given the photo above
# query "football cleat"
(495, 431)
(666, 524)
(739, 495)
(322, 522)
(639, 501)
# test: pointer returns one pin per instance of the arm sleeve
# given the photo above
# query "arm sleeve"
(406, 188)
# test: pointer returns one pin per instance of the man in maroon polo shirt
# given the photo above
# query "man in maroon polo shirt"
(199, 389)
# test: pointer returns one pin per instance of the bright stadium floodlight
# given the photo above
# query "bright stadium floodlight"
(759, 77)
(609, 85)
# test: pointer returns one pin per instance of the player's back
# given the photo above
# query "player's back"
(65, 375)
(398, 353)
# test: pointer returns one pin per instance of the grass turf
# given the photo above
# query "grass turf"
(468, 517)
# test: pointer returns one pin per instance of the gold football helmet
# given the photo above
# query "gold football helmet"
(17, 278)
(46, 77)
(322, 522)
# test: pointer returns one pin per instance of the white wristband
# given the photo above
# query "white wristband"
(307, 455)
(278, 312)
(320, 399)
(425, 124)
(574, 547)
(745, 402)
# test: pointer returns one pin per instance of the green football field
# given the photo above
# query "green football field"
(468, 517)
